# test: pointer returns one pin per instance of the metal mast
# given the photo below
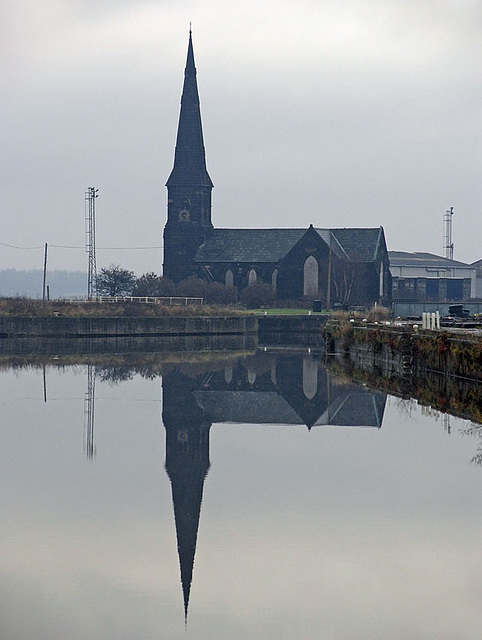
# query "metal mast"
(90, 196)
(449, 245)
(89, 399)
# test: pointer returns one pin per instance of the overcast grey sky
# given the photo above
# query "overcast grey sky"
(336, 113)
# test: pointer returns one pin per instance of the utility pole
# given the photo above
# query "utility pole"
(45, 273)
(328, 284)
(90, 196)
(449, 245)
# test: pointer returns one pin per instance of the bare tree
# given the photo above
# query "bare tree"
(343, 279)
(115, 281)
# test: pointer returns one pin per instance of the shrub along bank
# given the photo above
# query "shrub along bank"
(407, 350)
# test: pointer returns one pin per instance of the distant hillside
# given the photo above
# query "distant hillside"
(29, 283)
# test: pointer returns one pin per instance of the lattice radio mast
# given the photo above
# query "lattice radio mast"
(90, 196)
(89, 399)
(449, 245)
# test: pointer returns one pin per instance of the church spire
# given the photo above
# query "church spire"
(189, 160)
(189, 186)
(187, 464)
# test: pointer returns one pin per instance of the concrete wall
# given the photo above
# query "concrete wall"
(60, 336)
(291, 324)
(60, 327)
(290, 331)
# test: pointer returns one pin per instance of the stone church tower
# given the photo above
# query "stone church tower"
(346, 266)
(189, 185)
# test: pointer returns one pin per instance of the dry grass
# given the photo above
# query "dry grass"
(378, 314)
(27, 307)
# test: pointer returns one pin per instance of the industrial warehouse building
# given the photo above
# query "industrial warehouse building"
(425, 277)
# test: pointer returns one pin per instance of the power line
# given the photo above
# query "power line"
(127, 248)
(64, 246)
(12, 246)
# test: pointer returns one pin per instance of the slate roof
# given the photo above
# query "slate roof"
(248, 245)
(271, 245)
(352, 407)
(356, 407)
(247, 407)
(360, 245)
(422, 259)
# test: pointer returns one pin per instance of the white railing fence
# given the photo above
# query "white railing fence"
(172, 301)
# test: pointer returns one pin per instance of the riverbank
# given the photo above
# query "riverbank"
(449, 395)
(62, 327)
(90, 335)
(407, 350)
(22, 335)
(125, 307)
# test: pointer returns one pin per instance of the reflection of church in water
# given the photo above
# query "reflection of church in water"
(263, 389)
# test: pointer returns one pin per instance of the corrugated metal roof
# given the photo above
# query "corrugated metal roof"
(421, 258)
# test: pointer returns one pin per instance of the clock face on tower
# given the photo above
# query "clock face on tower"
(184, 215)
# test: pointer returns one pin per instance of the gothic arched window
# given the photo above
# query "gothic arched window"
(274, 280)
(228, 279)
(310, 277)
(252, 277)
(310, 377)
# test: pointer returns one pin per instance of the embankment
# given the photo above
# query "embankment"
(91, 327)
(24, 335)
(406, 351)
(66, 334)
(303, 330)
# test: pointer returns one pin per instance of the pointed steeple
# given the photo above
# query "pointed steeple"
(189, 159)
(187, 464)
(187, 493)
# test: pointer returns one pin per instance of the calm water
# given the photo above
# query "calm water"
(327, 511)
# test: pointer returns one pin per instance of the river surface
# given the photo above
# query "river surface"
(251, 497)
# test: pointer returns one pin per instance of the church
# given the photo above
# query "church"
(337, 266)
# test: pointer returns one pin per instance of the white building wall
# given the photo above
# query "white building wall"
(419, 271)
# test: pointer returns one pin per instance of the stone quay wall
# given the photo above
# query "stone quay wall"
(66, 335)
(87, 327)
(27, 334)
(407, 351)
(293, 331)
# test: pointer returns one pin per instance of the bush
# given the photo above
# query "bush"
(378, 314)
(258, 294)
(152, 285)
(211, 292)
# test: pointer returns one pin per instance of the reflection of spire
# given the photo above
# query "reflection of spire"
(89, 397)
(187, 464)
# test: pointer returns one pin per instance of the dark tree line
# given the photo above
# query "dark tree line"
(116, 281)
